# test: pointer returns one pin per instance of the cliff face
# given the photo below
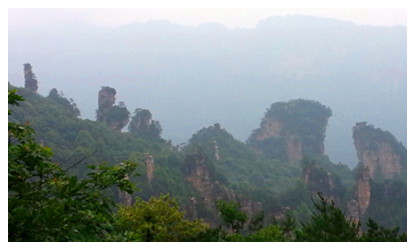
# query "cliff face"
(115, 117)
(357, 207)
(149, 164)
(317, 180)
(379, 151)
(362, 190)
(292, 130)
(382, 159)
(201, 175)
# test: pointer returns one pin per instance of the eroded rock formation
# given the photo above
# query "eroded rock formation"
(382, 160)
(379, 151)
(317, 180)
(292, 130)
(30, 81)
(362, 190)
(201, 174)
(143, 124)
(216, 150)
(115, 117)
(149, 163)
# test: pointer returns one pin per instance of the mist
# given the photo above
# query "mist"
(194, 76)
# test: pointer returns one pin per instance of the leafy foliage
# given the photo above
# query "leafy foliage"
(78, 143)
(158, 219)
(256, 222)
(231, 215)
(68, 104)
(46, 204)
(272, 233)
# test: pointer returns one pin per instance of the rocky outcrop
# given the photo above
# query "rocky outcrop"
(201, 174)
(292, 130)
(143, 124)
(149, 164)
(216, 151)
(381, 159)
(294, 148)
(141, 121)
(357, 207)
(115, 117)
(318, 180)
(30, 81)
(362, 190)
(353, 210)
(379, 151)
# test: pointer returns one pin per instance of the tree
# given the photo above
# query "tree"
(381, 234)
(256, 222)
(231, 215)
(46, 204)
(69, 104)
(272, 233)
(328, 223)
(158, 219)
(288, 225)
(142, 124)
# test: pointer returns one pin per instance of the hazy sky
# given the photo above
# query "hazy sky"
(231, 17)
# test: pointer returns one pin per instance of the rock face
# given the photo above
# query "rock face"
(362, 190)
(149, 163)
(30, 81)
(353, 210)
(115, 117)
(200, 173)
(143, 124)
(317, 180)
(292, 130)
(357, 207)
(216, 150)
(381, 158)
(141, 120)
(379, 151)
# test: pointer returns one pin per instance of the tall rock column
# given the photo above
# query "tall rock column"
(30, 81)
(381, 159)
(292, 130)
(362, 191)
(149, 163)
(115, 117)
(379, 151)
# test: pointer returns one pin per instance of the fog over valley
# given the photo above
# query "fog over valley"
(192, 77)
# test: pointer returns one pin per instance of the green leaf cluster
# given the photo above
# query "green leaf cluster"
(158, 219)
(47, 204)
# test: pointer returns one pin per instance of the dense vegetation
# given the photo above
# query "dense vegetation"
(75, 199)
